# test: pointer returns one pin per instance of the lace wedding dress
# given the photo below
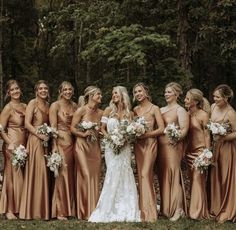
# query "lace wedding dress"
(119, 199)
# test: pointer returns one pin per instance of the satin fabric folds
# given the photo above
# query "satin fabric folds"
(198, 207)
(145, 154)
(223, 182)
(169, 171)
(63, 200)
(88, 167)
(35, 194)
(13, 177)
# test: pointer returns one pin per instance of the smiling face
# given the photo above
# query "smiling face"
(42, 91)
(219, 99)
(14, 91)
(188, 101)
(139, 94)
(116, 97)
(67, 92)
(170, 95)
(97, 97)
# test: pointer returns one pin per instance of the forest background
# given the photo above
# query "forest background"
(107, 43)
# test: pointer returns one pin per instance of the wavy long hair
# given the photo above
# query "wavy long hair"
(125, 100)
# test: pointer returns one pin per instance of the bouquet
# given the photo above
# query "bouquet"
(219, 128)
(48, 131)
(19, 156)
(88, 125)
(54, 162)
(203, 160)
(137, 128)
(117, 138)
(173, 133)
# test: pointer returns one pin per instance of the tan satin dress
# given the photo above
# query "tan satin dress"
(145, 154)
(169, 170)
(88, 167)
(223, 181)
(198, 207)
(35, 194)
(13, 177)
(63, 200)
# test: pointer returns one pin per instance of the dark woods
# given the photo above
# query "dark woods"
(118, 42)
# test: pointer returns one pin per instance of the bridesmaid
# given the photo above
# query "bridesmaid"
(173, 202)
(12, 120)
(87, 153)
(198, 139)
(146, 151)
(35, 194)
(223, 172)
(60, 115)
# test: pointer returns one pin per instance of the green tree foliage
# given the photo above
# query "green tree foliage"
(120, 42)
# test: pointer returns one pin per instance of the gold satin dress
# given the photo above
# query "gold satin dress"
(35, 194)
(63, 200)
(223, 181)
(88, 168)
(145, 153)
(13, 177)
(198, 207)
(169, 170)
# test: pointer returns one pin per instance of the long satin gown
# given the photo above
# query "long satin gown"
(35, 194)
(223, 181)
(169, 170)
(63, 200)
(198, 207)
(88, 167)
(145, 154)
(13, 177)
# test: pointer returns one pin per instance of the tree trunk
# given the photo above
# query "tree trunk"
(182, 39)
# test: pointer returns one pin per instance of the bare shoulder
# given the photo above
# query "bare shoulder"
(107, 111)
(54, 105)
(232, 114)
(81, 110)
(6, 109)
(32, 103)
(100, 112)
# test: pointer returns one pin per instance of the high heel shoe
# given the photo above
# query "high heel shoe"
(10, 216)
(178, 214)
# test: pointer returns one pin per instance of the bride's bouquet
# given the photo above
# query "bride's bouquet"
(54, 162)
(19, 156)
(118, 137)
(219, 128)
(137, 127)
(173, 133)
(88, 125)
(203, 160)
(48, 131)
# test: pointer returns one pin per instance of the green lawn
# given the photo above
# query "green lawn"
(79, 225)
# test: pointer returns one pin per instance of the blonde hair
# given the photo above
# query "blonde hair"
(145, 89)
(38, 83)
(8, 86)
(177, 88)
(225, 91)
(89, 92)
(62, 86)
(202, 103)
(124, 99)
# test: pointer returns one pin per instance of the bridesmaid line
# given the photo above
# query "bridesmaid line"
(32, 193)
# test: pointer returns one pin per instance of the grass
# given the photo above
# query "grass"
(79, 225)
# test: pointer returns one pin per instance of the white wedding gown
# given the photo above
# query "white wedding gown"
(119, 199)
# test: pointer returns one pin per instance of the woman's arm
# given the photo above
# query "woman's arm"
(5, 115)
(53, 111)
(183, 120)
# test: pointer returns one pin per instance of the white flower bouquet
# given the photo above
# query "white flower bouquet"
(219, 128)
(54, 162)
(48, 131)
(118, 137)
(203, 160)
(88, 125)
(173, 133)
(137, 128)
(19, 156)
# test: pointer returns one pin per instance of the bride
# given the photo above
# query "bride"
(119, 199)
